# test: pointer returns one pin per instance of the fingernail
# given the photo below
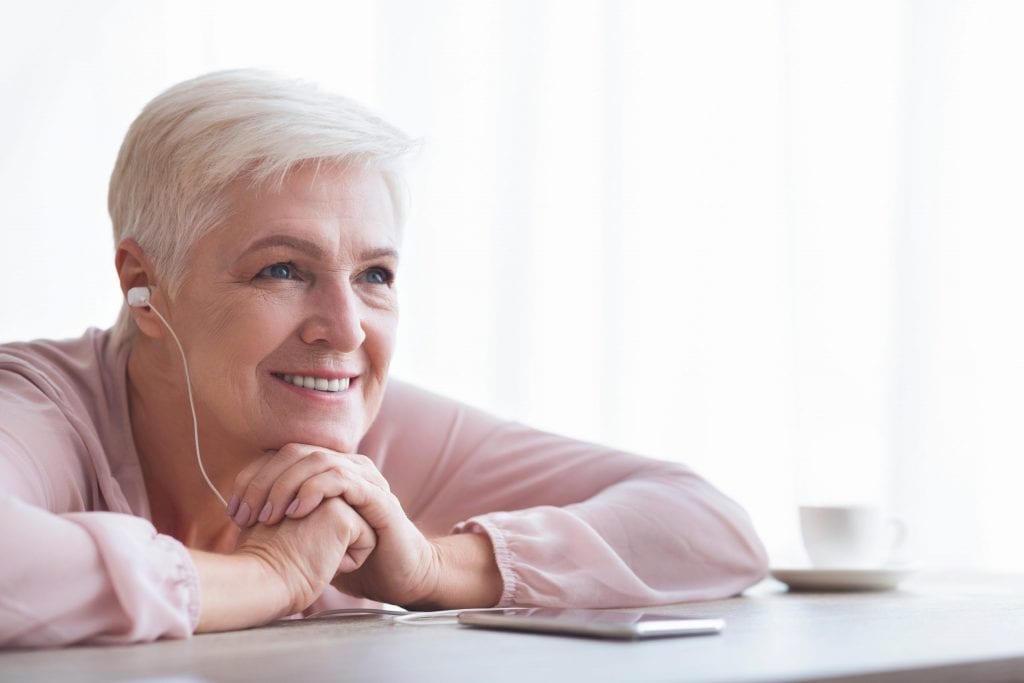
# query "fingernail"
(292, 508)
(265, 512)
(242, 517)
(232, 506)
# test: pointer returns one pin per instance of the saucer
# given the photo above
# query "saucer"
(882, 579)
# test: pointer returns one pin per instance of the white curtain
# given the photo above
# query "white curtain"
(777, 241)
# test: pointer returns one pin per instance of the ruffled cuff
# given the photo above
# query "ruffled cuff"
(152, 575)
(182, 578)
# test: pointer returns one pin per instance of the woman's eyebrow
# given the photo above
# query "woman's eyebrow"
(312, 248)
(380, 252)
(297, 243)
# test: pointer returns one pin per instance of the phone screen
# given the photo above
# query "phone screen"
(592, 622)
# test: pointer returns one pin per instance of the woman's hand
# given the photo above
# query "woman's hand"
(307, 554)
(404, 567)
(279, 570)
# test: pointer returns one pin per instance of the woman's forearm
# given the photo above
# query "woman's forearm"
(468, 575)
(237, 591)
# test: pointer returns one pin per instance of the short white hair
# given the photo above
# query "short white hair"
(191, 141)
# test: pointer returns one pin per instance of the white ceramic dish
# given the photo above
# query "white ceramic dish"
(883, 579)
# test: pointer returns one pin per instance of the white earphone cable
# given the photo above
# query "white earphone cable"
(191, 405)
(448, 616)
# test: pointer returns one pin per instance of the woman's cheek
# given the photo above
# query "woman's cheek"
(260, 314)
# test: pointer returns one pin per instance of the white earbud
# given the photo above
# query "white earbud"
(138, 296)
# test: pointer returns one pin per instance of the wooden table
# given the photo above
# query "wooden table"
(932, 629)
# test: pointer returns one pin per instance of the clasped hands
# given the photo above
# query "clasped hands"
(316, 516)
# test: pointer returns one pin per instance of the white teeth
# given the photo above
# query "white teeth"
(318, 383)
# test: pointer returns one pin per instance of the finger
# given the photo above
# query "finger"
(253, 484)
(358, 537)
(363, 464)
(361, 547)
(379, 508)
(369, 470)
(272, 482)
(283, 499)
(241, 482)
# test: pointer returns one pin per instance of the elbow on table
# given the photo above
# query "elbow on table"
(757, 559)
(744, 556)
(728, 540)
(729, 566)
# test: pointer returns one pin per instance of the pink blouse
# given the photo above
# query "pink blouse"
(571, 523)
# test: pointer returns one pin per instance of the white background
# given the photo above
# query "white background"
(778, 241)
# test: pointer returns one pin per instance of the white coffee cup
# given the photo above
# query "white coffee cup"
(849, 536)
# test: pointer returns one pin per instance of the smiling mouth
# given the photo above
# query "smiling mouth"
(331, 386)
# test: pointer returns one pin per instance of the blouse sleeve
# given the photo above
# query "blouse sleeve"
(68, 574)
(572, 523)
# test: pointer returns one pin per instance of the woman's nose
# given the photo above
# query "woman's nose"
(336, 319)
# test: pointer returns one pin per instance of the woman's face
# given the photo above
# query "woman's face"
(288, 311)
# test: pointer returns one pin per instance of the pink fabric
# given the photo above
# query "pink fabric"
(571, 523)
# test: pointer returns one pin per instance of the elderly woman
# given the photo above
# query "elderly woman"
(232, 451)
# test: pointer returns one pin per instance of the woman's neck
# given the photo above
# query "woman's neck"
(181, 504)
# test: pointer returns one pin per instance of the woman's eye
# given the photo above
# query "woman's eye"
(379, 276)
(279, 271)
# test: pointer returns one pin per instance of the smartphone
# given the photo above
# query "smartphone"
(593, 623)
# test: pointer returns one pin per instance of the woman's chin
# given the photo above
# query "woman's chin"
(346, 441)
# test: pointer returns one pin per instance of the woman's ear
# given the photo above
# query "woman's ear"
(134, 269)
